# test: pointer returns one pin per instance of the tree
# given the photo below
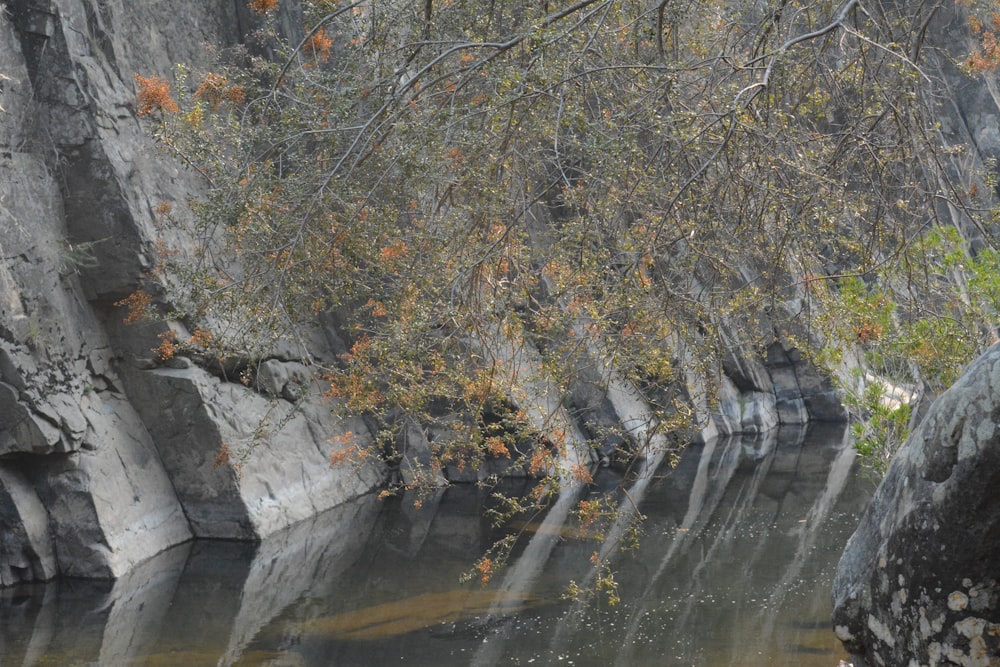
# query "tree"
(606, 179)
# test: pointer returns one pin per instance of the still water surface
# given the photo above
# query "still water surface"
(733, 568)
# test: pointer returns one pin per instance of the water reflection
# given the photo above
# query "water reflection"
(426, 611)
(734, 567)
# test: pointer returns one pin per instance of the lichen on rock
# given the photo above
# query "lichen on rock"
(917, 583)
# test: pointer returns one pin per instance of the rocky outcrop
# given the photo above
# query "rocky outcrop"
(284, 478)
(83, 492)
(918, 581)
(783, 388)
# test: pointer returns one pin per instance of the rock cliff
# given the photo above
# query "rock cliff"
(105, 458)
(103, 461)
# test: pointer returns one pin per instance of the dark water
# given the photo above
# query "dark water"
(733, 568)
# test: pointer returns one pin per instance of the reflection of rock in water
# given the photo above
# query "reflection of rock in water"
(205, 599)
(757, 536)
(730, 571)
(736, 535)
(211, 659)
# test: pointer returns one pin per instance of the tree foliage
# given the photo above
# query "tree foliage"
(640, 177)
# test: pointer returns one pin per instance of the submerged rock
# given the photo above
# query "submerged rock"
(918, 581)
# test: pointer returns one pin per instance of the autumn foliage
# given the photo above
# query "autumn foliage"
(216, 89)
(153, 95)
(986, 57)
(138, 305)
(319, 45)
(263, 6)
(168, 345)
(593, 184)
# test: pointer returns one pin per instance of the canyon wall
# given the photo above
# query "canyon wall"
(106, 457)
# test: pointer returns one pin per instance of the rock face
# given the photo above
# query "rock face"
(781, 389)
(918, 581)
(106, 459)
(104, 463)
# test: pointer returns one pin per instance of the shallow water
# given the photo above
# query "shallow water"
(733, 568)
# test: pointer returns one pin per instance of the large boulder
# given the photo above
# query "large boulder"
(918, 582)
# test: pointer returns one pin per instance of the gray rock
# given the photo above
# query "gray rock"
(26, 550)
(784, 388)
(243, 465)
(417, 466)
(79, 180)
(22, 430)
(918, 581)
(69, 415)
(272, 376)
(112, 505)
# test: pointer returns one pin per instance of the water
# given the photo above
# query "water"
(733, 568)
